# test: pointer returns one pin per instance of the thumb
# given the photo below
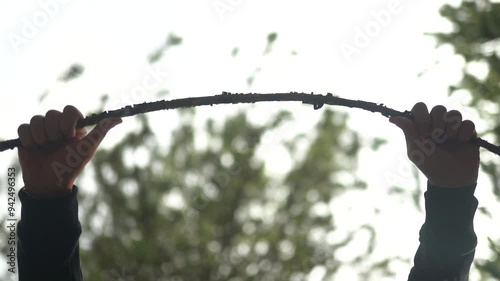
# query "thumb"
(408, 127)
(95, 137)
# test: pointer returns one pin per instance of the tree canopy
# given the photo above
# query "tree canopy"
(476, 38)
(176, 210)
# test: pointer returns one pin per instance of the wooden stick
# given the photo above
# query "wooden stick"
(234, 98)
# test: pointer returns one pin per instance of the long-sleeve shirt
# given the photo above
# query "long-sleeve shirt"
(48, 235)
(49, 230)
(447, 237)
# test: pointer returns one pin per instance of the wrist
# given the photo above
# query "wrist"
(449, 184)
(37, 193)
(46, 188)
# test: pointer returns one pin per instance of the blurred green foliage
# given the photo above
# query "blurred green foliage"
(476, 37)
(172, 40)
(214, 213)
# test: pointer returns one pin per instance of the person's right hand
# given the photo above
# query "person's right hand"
(438, 144)
(54, 152)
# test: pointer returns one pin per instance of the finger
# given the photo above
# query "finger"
(467, 131)
(52, 125)
(70, 117)
(25, 136)
(422, 118)
(453, 120)
(408, 127)
(438, 125)
(95, 137)
(37, 127)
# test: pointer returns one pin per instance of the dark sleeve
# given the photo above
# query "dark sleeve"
(48, 234)
(447, 238)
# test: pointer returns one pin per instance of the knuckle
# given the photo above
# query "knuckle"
(52, 113)
(22, 129)
(420, 106)
(24, 133)
(453, 116)
(454, 112)
(37, 119)
(438, 109)
(71, 110)
(469, 124)
(420, 112)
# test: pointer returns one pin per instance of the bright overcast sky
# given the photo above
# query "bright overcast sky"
(361, 49)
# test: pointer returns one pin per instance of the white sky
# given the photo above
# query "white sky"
(113, 39)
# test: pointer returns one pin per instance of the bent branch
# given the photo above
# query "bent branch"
(234, 98)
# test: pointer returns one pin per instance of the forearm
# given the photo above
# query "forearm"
(48, 234)
(447, 238)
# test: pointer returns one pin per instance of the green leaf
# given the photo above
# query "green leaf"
(377, 143)
(173, 40)
(271, 37)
